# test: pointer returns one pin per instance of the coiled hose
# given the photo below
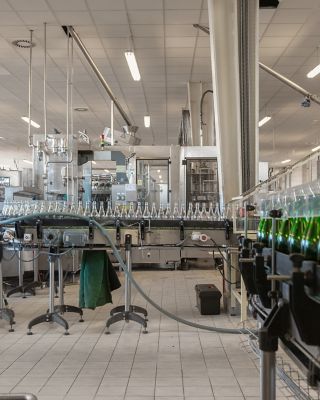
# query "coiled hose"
(129, 274)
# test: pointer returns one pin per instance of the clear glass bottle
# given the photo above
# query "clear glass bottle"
(18, 209)
(217, 213)
(87, 210)
(131, 210)
(117, 212)
(4, 208)
(94, 211)
(65, 207)
(161, 212)
(72, 208)
(101, 209)
(57, 207)
(197, 213)
(211, 215)
(190, 211)
(123, 211)
(80, 210)
(27, 208)
(146, 212)
(176, 214)
(203, 212)
(10, 209)
(139, 211)
(51, 207)
(109, 212)
(183, 213)
(168, 213)
(153, 214)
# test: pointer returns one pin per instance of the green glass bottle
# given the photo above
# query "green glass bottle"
(283, 235)
(260, 229)
(311, 239)
(266, 231)
(296, 234)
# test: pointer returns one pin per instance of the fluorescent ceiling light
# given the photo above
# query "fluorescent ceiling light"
(2, 138)
(264, 121)
(28, 162)
(314, 72)
(160, 177)
(26, 119)
(285, 161)
(93, 162)
(158, 170)
(316, 148)
(106, 170)
(133, 66)
(147, 121)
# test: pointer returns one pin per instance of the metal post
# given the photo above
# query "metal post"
(60, 273)
(268, 375)
(35, 267)
(127, 286)
(273, 253)
(20, 269)
(51, 284)
(245, 221)
(112, 122)
(1, 287)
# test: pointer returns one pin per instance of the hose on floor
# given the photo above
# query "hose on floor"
(129, 274)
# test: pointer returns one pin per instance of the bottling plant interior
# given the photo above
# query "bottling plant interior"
(159, 200)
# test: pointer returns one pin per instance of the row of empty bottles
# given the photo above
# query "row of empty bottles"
(93, 209)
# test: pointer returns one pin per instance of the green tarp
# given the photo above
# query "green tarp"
(97, 279)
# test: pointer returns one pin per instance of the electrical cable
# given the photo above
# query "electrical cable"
(222, 255)
(130, 276)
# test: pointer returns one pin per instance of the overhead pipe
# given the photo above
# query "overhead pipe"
(30, 141)
(276, 74)
(45, 81)
(70, 31)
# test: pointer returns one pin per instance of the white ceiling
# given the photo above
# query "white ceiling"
(169, 51)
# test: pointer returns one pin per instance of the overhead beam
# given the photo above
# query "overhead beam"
(69, 30)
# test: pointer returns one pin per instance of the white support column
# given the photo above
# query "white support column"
(223, 21)
(194, 97)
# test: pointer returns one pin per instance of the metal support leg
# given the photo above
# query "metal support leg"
(63, 308)
(21, 288)
(5, 313)
(51, 315)
(128, 312)
(268, 375)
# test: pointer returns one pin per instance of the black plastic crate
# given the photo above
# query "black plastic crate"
(208, 299)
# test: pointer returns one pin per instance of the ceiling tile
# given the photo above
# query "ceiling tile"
(298, 16)
(109, 17)
(144, 5)
(30, 5)
(151, 43)
(180, 30)
(74, 18)
(270, 41)
(147, 30)
(265, 16)
(181, 16)
(114, 30)
(37, 17)
(183, 4)
(69, 5)
(298, 4)
(180, 41)
(180, 52)
(203, 41)
(9, 18)
(146, 17)
(116, 43)
(282, 29)
(106, 5)
(271, 51)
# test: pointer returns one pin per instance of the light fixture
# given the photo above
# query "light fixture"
(316, 148)
(94, 162)
(28, 162)
(160, 177)
(26, 119)
(81, 109)
(2, 138)
(147, 121)
(264, 121)
(133, 66)
(106, 170)
(285, 161)
(314, 72)
(158, 170)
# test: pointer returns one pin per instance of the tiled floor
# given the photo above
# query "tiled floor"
(171, 362)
